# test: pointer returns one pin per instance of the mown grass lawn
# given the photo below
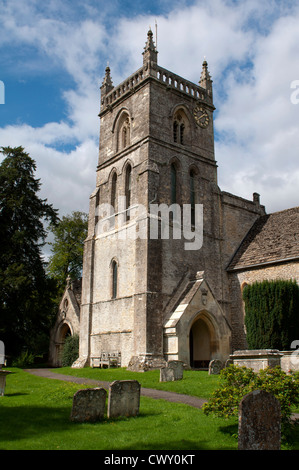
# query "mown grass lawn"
(195, 383)
(35, 415)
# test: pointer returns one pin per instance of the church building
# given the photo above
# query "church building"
(148, 298)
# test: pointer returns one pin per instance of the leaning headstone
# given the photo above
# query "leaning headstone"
(89, 405)
(124, 398)
(215, 367)
(259, 422)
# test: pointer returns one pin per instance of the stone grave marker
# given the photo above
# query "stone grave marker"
(2, 354)
(178, 369)
(124, 398)
(173, 371)
(215, 367)
(259, 422)
(3, 373)
(166, 374)
(89, 405)
(228, 362)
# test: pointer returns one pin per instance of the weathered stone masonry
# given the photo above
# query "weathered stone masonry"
(150, 299)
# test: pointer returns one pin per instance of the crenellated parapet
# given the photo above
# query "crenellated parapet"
(150, 70)
(163, 76)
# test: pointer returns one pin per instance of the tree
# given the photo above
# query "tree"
(272, 314)
(67, 248)
(25, 290)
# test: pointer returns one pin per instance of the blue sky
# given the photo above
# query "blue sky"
(52, 61)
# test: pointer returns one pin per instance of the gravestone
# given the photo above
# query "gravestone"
(259, 422)
(178, 368)
(228, 362)
(173, 371)
(89, 405)
(215, 367)
(166, 374)
(2, 354)
(124, 398)
(3, 374)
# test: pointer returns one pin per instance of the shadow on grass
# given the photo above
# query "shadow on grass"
(231, 429)
(168, 445)
(24, 422)
(182, 445)
(17, 394)
(40, 424)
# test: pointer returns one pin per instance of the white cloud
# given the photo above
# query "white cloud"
(251, 47)
(264, 122)
(185, 36)
(67, 178)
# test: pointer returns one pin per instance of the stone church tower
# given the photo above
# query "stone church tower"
(151, 299)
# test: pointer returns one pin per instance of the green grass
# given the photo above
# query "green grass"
(35, 415)
(195, 383)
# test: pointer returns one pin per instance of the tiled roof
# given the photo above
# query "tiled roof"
(272, 238)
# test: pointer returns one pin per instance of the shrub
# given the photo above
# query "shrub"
(237, 381)
(25, 359)
(70, 350)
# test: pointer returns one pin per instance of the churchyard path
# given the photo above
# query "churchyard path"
(147, 392)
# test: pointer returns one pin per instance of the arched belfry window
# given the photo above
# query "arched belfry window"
(114, 273)
(124, 132)
(128, 190)
(180, 128)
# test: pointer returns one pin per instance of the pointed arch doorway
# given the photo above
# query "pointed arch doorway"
(201, 343)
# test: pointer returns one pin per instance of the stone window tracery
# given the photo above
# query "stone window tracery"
(124, 132)
(180, 128)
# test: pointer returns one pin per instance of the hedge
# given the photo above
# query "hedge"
(272, 314)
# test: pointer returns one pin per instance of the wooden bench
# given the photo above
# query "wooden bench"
(106, 359)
